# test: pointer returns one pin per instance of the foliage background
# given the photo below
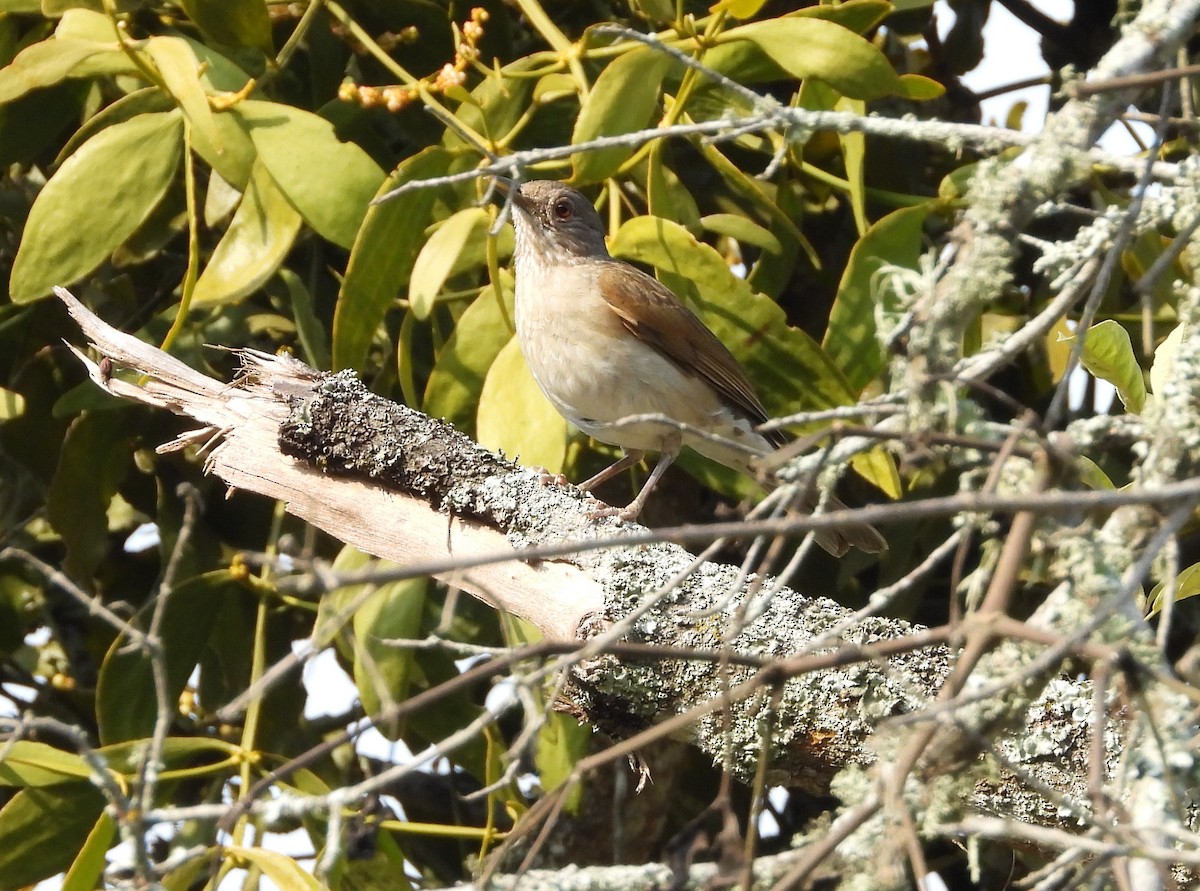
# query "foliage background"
(202, 173)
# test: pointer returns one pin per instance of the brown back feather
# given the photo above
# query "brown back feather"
(652, 313)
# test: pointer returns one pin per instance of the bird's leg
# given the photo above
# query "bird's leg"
(630, 512)
(631, 457)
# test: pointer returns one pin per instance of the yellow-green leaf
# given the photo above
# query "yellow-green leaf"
(383, 256)
(1108, 354)
(1187, 585)
(383, 671)
(440, 254)
(621, 101)
(811, 47)
(456, 382)
(253, 247)
(850, 339)
(28, 763)
(88, 867)
(740, 9)
(516, 418)
(12, 404)
(283, 871)
(217, 138)
(330, 182)
(1162, 369)
(96, 200)
(743, 230)
(43, 829)
(232, 22)
(48, 62)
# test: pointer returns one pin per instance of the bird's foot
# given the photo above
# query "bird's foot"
(625, 514)
(546, 478)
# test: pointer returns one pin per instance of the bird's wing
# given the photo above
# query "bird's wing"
(653, 314)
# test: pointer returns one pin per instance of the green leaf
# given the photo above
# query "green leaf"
(217, 138)
(456, 382)
(232, 22)
(43, 830)
(86, 871)
(180, 71)
(516, 418)
(382, 672)
(740, 9)
(382, 258)
(621, 101)
(283, 871)
(561, 743)
(48, 62)
(94, 461)
(850, 339)
(1162, 369)
(1187, 585)
(440, 254)
(12, 404)
(854, 154)
(126, 704)
(309, 328)
(253, 247)
(96, 200)
(1108, 354)
(811, 47)
(742, 230)
(330, 182)
(28, 763)
(150, 100)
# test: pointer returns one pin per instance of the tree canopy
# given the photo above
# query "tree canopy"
(918, 296)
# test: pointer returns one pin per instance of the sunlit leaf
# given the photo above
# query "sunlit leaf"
(1108, 354)
(180, 71)
(741, 9)
(383, 256)
(742, 230)
(48, 62)
(253, 247)
(1162, 369)
(516, 418)
(621, 101)
(329, 181)
(12, 404)
(88, 867)
(284, 872)
(811, 47)
(27, 763)
(850, 339)
(96, 200)
(440, 253)
(1187, 585)
(456, 382)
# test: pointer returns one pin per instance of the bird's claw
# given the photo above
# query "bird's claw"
(545, 477)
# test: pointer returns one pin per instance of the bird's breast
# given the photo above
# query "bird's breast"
(597, 373)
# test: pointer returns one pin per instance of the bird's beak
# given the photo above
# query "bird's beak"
(512, 191)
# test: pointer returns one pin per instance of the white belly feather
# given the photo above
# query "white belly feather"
(596, 373)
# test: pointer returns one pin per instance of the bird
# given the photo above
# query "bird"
(623, 359)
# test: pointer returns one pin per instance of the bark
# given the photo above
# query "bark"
(411, 489)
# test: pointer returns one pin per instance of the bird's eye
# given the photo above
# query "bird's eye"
(563, 210)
